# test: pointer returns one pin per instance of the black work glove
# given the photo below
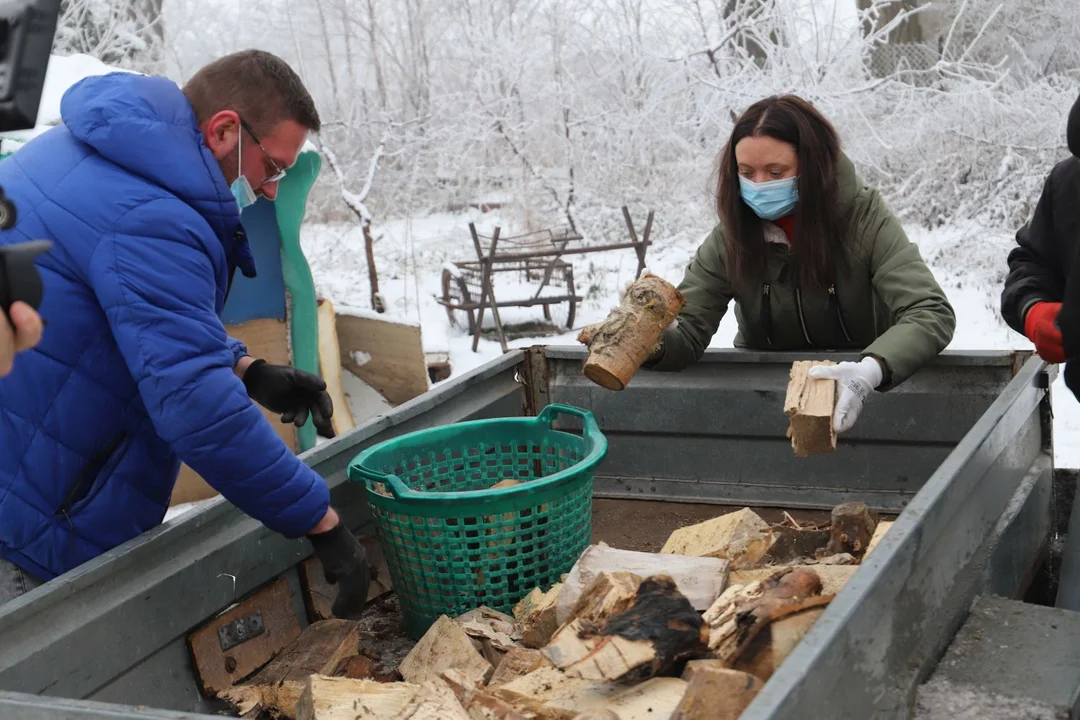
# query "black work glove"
(291, 392)
(344, 564)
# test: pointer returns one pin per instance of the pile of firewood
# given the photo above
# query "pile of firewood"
(693, 631)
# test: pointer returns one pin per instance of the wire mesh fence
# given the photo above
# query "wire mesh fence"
(911, 62)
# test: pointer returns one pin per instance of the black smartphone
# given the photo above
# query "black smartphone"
(19, 277)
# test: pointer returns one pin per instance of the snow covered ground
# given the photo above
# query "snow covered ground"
(968, 260)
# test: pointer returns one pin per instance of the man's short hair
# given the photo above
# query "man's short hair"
(258, 85)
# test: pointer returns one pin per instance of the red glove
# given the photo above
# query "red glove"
(1040, 329)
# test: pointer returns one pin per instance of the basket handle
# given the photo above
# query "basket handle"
(395, 486)
(550, 412)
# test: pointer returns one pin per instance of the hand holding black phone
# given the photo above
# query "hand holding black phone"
(19, 278)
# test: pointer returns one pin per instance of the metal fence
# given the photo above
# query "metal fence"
(911, 62)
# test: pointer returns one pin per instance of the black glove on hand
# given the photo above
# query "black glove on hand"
(291, 392)
(345, 565)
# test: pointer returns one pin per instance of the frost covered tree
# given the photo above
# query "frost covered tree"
(126, 33)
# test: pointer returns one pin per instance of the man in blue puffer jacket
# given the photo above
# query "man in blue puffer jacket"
(140, 188)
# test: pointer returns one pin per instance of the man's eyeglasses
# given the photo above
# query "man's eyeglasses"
(279, 172)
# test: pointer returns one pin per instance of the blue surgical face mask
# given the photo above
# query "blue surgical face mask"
(770, 200)
(241, 188)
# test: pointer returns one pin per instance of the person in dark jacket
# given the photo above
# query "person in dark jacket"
(140, 189)
(1041, 297)
(1041, 263)
(813, 259)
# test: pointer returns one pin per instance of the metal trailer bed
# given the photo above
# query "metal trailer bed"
(963, 449)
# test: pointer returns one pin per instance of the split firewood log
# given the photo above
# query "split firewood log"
(321, 648)
(833, 577)
(479, 702)
(810, 405)
(740, 537)
(656, 632)
(621, 343)
(742, 613)
(493, 633)
(716, 693)
(517, 663)
(328, 698)
(778, 634)
(548, 694)
(445, 645)
(879, 532)
(536, 616)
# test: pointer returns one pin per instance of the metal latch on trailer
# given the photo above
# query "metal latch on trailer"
(240, 630)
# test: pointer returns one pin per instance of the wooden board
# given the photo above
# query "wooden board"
(330, 367)
(266, 339)
(700, 579)
(438, 366)
(319, 595)
(218, 669)
(397, 368)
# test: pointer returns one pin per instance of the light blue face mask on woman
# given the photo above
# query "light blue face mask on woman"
(770, 200)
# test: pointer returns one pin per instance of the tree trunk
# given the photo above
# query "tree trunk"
(909, 31)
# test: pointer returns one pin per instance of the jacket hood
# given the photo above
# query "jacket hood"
(146, 125)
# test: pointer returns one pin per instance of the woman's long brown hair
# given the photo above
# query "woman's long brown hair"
(815, 249)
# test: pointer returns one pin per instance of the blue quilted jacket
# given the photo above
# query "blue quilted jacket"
(135, 370)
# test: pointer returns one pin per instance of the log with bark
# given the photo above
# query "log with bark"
(809, 405)
(741, 614)
(794, 543)
(852, 528)
(658, 630)
(631, 333)
(833, 577)
(778, 633)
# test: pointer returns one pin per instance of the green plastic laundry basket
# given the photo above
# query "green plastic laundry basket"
(450, 542)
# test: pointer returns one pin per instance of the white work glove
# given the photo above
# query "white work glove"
(856, 381)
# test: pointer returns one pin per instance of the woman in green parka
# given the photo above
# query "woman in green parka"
(813, 259)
